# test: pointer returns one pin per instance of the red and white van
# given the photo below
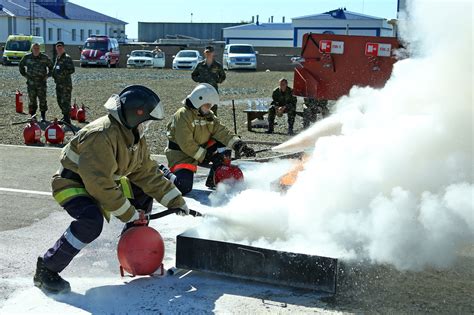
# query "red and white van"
(100, 50)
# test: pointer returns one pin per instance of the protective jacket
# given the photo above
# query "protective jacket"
(286, 98)
(106, 156)
(212, 74)
(36, 68)
(63, 68)
(188, 135)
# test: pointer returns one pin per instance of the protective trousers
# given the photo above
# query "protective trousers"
(86, 227)
(290, 111)
(63, 96)
(36, 90)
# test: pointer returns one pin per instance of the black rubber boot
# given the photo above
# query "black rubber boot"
(210, 179)
(48, 280)
(66, 119)
(43, 116)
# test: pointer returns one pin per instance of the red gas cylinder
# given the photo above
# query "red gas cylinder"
(32, 132)
(73, 111)
(140, 251)
(81, 114)
(54, 133)
(19, 101)
(227, 171)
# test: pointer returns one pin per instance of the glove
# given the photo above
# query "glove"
(242, 149)
(183, 210)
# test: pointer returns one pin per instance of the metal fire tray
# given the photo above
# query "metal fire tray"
(258, 264)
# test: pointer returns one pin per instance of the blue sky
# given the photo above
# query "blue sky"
(228, 11)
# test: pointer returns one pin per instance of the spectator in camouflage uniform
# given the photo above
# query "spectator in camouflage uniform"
(283, 102)
(311, 108)
(63, 68)
(38, 69)
(209, 71)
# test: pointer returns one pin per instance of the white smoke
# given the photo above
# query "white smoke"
(397, 186)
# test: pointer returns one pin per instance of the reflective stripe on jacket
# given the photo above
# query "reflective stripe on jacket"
(191, 132)
(102, 153)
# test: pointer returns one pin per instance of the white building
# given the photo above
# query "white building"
(56, 20)
(337, 21)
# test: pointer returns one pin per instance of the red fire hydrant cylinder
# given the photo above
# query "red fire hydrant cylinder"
(81, 114)
(54, 134)
(32, 133)
(19, 101)
(73, 112)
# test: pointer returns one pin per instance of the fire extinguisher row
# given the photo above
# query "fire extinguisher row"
(53, 134)
(76, 112)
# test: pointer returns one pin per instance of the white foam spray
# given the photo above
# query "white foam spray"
(397, 186)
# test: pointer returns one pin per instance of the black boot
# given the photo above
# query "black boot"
(66, 119)
(43, 116)
(49, 280)
(210, 179)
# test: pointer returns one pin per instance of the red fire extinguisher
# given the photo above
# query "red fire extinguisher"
(54, 134)
(81, 114)
(19, 101)
(32, 132)
(73, 111)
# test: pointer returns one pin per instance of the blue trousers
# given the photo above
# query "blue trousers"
(86, 227)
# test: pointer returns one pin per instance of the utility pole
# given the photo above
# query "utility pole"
(191, 17)
(32, 17)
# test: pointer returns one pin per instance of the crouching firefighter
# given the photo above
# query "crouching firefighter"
(196, 136)
(106, 170)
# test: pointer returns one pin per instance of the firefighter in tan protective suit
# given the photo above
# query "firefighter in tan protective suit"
(196, 136)
(106, 170)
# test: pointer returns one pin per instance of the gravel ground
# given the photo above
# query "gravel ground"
(93, 86)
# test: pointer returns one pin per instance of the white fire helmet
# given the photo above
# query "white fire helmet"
(203, 93)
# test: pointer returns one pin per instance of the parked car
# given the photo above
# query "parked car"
(239, 56)
(146, 58)
(186, 59)
(100, 50)
(19, 45)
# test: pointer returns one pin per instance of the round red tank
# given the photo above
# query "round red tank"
(19, 101)
(81, 114)
(140, 250)
(54, 133)
(73, 111)
(228, 172)
(32, 133)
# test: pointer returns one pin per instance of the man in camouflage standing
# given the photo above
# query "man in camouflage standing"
(209, 71)
(38, 69)
(63, 68)
(283, 102)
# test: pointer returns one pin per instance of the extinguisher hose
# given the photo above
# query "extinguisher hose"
(161, 214)
(69, 125)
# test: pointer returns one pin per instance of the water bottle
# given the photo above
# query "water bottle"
(249, 105)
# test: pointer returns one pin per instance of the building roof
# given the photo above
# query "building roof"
(72, 12)
(341, 14)
(263, 26)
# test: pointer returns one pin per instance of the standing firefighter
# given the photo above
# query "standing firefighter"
(283, 102)
(209, 71)
(106, 170)
(194, 136)
(63, 68)
(38, 69)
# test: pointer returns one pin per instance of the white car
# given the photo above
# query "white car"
(186, 59)
(146, 58)
(239, 56)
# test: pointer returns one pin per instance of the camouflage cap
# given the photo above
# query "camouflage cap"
(60, 43)
(35, 44)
